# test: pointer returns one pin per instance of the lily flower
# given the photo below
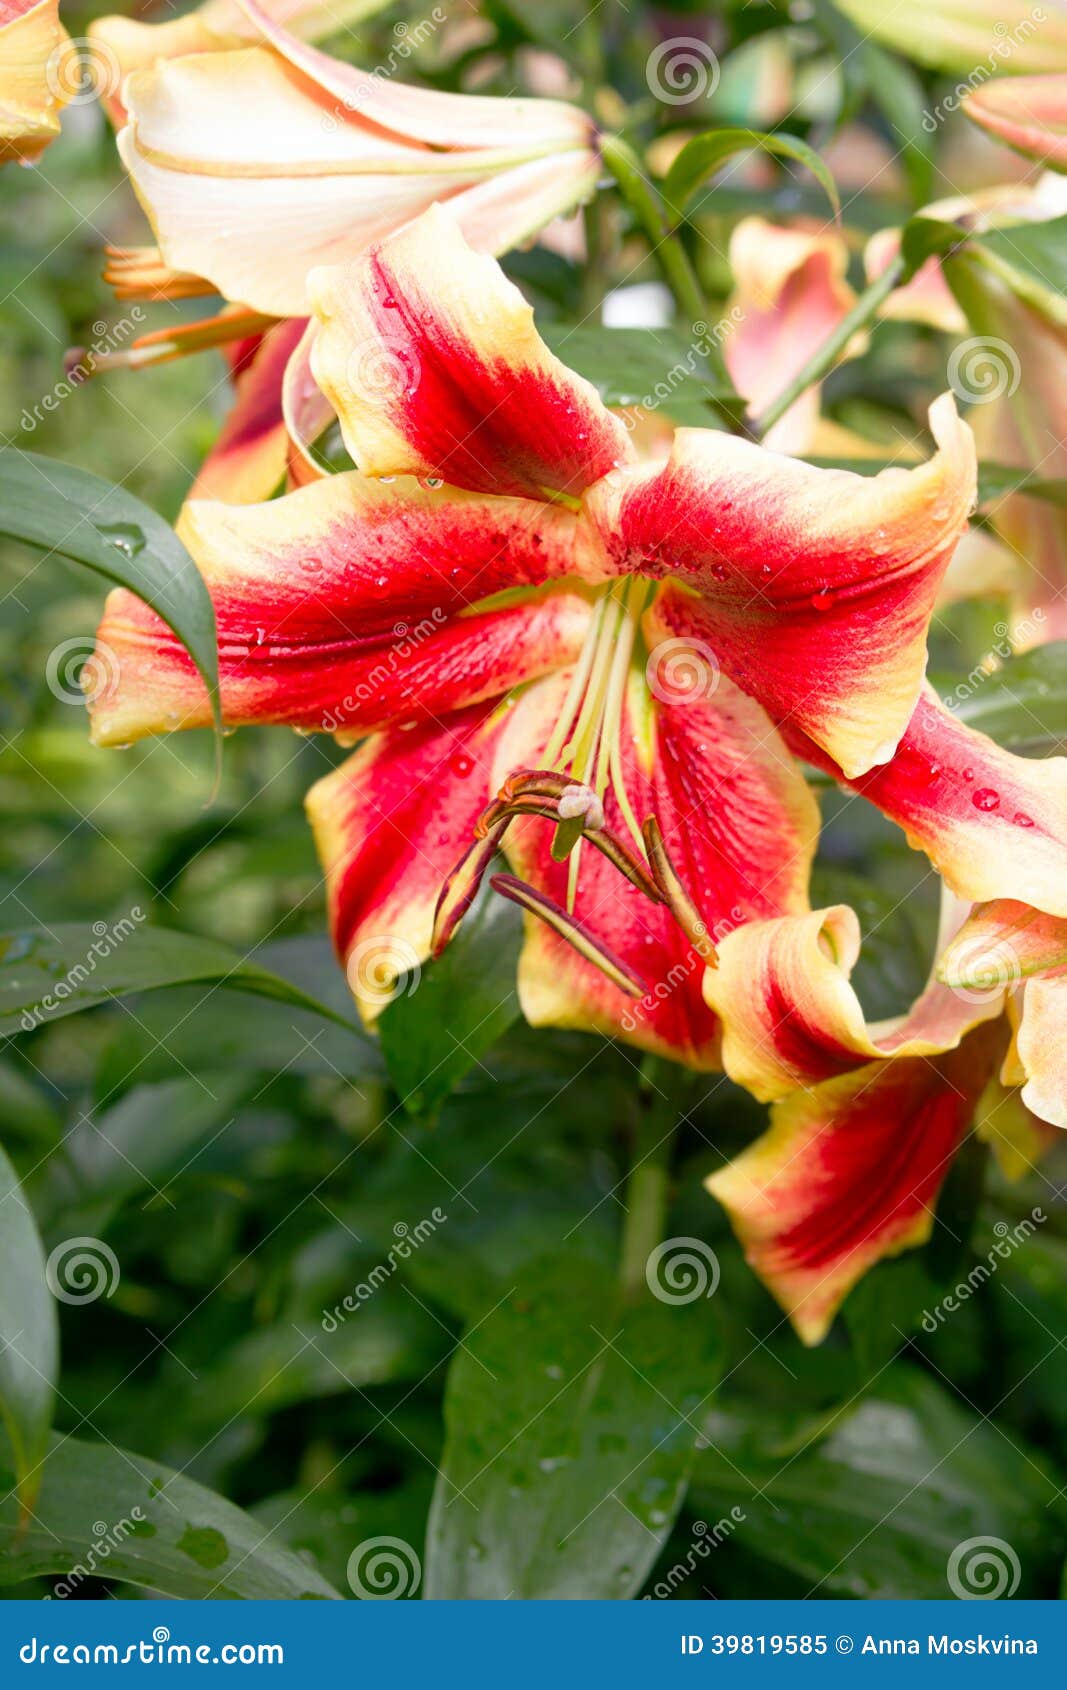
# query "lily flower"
(215, 26)
(1028, 113)
(544, 641)
(1011, 365)
(790, 293)
(257, 164)
(36, 79)
(867, 1119)
(967, 35)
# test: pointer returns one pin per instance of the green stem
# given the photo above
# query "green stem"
(669, 252)
(648, 1185)
(826, 356)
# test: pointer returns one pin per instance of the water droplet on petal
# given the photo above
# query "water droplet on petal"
(1021, 819)
(985, 798)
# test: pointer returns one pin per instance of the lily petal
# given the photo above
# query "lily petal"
(472, 121)
(348, 604)
(38, 74)
(1027, 950)
(389, 824)
(249, 458)
(816, 586)
(790, 1017)
(994, 825)
(431, 360)
(1028, 113)
(790, 292)
(848, 1174)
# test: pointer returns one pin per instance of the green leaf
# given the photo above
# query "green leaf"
(656, 368)
(66, 511)
(1031, 258)
(704, 154)
(876, 1507)
(997, 481)
(107, 1158)
(459, 1006)
(49, 973)
(1022, 705)
(29, 1337)
(571, 1426)
(172, 1029)
(388, 1340)
(924, 237)
(163, 1532)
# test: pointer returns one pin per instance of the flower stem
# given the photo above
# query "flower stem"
(826, 356)
(648, 1184)
(681, 278)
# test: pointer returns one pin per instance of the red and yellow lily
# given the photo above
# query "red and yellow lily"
(257, 164)
(523, 622)
(35, 77)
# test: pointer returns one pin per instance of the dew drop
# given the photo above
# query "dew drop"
(822, 600)
(985, 798)
(461, 764)
(968, 774)
(1021, 819)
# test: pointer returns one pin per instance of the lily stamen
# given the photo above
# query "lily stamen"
(570, 928)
